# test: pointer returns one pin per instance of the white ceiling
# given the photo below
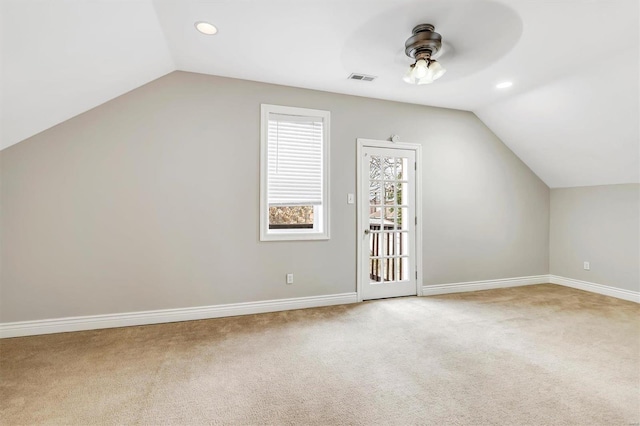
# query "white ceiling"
(572, 114)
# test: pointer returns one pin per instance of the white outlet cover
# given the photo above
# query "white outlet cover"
(351, 198)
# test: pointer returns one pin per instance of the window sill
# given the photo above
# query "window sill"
(290, 236)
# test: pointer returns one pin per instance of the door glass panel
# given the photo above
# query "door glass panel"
(402, 219)
(375, 218)
(402, 243)
(374, 168)
(400, 168)
(388, 168)
(400, 215)
(377, 250)
(389, 193)
(397, 263)
(389, 269)
(388, 208)
(375, 270)
(401, 190)
(404, 268)
(397, 243)
(375, 194)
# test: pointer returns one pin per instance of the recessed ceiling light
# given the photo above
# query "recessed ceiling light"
(206, 28)
(504, 85)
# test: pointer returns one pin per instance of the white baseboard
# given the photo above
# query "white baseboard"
(606, 290)
(431, 290)
(94, 322)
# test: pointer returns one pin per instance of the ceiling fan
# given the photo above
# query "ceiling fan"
(422, 46)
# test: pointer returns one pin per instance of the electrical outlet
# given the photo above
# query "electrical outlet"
(350, 199)
(587, 267)
(289, 278)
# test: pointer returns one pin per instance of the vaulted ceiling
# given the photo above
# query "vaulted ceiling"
(572, 114)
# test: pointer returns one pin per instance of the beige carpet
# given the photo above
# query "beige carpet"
(538, 355)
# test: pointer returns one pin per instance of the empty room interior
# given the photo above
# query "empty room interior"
(320, 212)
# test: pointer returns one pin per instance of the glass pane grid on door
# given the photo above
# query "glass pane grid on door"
(388, 248)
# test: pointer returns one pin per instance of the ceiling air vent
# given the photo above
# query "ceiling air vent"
(362, 77)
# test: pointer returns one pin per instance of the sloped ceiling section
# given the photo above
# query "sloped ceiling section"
(572, 114)
(62, 58)
(575, 117)
(576, 130)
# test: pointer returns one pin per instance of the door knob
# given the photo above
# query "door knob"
(366, 232)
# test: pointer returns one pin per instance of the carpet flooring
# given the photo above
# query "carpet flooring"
(535, 355)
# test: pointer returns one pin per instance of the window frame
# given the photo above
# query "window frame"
(267, 234)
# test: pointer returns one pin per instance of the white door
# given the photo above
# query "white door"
(387, 209)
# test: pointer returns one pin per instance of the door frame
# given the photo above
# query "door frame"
(361, 144)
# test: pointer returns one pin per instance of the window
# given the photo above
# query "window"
(294, 165)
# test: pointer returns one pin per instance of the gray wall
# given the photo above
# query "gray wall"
(600, 225)
(150, 201)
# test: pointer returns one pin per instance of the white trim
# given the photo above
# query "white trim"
(95, 322)
(386, 144)
(265, 110)
(359, 148)
(418, 227)
(632, 296)
(431, 290)
(417, 148)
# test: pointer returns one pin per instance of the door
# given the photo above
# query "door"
(387, 210)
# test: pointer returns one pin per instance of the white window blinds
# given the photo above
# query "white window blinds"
(294, 160)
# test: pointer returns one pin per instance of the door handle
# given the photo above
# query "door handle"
(366, 232)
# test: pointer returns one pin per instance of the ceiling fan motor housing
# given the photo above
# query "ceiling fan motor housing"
(424, 43)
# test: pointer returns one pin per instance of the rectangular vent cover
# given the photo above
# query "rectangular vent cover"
(362, 77)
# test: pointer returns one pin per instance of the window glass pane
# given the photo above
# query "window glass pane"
(291, 217)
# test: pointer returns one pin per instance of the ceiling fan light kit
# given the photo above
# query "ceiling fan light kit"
(422, 46)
